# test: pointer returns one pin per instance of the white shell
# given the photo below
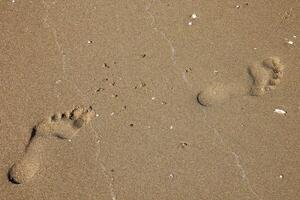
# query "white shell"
(280, 111)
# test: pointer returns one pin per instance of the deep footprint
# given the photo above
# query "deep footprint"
(62, 126)
(266, 76)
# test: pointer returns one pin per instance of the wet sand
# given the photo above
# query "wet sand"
(189, 100)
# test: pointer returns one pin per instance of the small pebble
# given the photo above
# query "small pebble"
(194, 16)
(190, 23)
(281, 176)
(183, 144)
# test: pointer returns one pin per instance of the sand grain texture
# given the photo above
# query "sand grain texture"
(182, 106)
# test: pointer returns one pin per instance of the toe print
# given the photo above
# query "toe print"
(62, 126)
(274, 64)
(65, 125)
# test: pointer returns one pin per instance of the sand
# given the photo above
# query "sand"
(155, 99)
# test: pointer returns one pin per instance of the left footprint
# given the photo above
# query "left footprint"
(62, 126)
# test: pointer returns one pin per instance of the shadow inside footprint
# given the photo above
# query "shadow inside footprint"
(10, 177)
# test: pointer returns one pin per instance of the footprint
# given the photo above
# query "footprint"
(214, 94)
(266, 76)
(62, 126)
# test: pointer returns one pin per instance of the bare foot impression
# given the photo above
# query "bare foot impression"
(266, 76)
(62, 126)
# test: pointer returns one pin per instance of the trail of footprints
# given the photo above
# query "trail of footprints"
(62, 126)
(266, 76)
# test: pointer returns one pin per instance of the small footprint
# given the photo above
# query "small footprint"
(266, 76)
(62, 126)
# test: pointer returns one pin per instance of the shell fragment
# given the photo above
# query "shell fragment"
(280, 111)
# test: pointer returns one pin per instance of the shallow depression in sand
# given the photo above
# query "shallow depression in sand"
(266, 76)
(62, 126)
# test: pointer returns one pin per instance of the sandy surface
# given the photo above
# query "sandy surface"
(140, 65)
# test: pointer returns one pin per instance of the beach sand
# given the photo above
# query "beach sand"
(156, 99)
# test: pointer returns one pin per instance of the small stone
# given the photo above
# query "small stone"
(100, 89)
(183, 144)
(281, 176)
(194, 16)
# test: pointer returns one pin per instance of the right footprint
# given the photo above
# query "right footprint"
(62, 126)
(266, 76)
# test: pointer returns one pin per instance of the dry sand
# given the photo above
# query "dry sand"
(193, 99)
